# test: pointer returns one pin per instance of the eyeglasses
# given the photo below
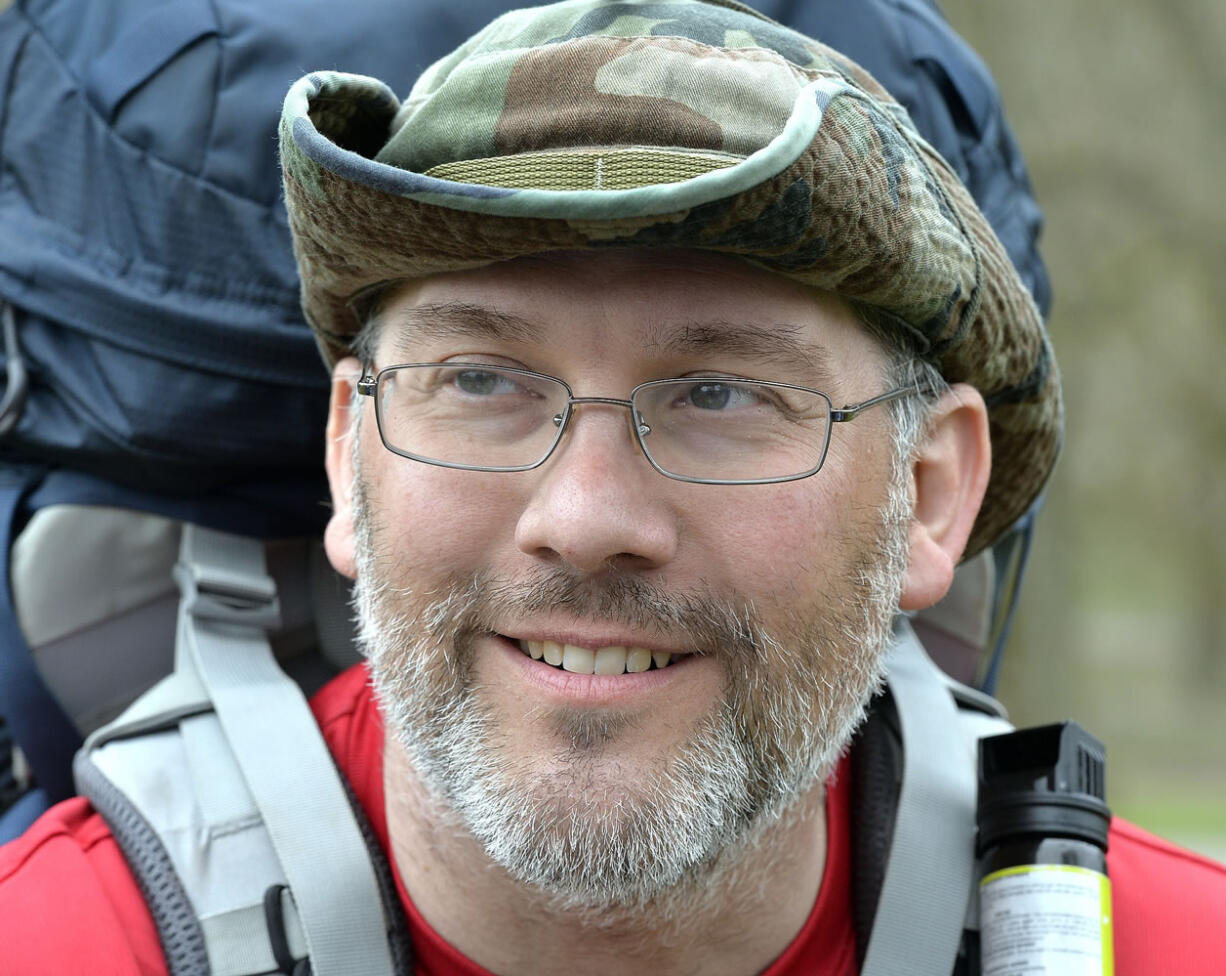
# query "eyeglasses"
(712, 430)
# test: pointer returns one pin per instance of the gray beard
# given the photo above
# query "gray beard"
(594, 837)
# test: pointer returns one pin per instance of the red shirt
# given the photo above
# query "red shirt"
(69, 905)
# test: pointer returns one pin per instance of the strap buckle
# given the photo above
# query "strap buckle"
(228, 596)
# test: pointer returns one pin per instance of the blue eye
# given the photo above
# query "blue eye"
(720, 396)
(710, 396)
(482, 382)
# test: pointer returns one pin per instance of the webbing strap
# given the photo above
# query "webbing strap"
(242, 938)
(227, 598)
(927, 885)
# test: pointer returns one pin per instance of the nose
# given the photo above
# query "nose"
(597, 502)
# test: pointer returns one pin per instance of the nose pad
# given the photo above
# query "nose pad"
(596, 503)
(639, 428)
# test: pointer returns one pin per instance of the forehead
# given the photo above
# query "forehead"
(621, 302)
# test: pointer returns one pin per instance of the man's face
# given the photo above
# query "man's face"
(770, 603)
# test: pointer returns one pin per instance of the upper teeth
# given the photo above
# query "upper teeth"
(601, 660)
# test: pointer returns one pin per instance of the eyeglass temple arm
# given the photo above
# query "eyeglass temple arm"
(853, 410)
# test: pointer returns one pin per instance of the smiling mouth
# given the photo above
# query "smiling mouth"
(600, 660)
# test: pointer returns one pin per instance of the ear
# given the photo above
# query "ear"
(950, 469)
(338, 460)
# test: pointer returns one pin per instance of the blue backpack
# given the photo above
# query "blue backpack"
(157, 369)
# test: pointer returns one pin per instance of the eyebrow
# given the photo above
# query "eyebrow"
(779, 343)
(449, 320)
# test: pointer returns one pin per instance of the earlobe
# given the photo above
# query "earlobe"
(951, 471)
(339, 537)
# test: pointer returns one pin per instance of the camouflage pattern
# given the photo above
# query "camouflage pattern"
(670, 123)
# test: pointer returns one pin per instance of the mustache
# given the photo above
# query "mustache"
(702, 622)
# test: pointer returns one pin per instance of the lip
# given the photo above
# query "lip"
(594, 639)
(591, 690)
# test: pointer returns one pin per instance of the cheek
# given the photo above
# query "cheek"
(790, 544)
(773, 548)
(438, 521)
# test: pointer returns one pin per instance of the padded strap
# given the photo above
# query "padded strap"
(172, 909)
(227, 598)
(924, 897)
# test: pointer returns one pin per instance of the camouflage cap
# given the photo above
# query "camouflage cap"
(680, 124)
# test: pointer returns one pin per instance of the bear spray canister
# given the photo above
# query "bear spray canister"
(1044, 895)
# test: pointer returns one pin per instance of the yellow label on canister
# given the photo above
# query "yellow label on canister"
(1046, 920)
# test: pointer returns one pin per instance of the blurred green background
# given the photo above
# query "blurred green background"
(1120, 108)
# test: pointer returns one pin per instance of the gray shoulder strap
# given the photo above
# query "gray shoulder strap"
(925, 896)
(221, 771)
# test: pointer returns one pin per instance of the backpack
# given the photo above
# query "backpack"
(158, 374)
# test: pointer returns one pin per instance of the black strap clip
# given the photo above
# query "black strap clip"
(274, 918)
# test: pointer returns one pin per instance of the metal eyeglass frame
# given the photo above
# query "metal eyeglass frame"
(369, 382)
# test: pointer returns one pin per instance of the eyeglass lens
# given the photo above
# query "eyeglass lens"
(474, 415)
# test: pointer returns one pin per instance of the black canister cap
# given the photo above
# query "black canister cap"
(1047, 781)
